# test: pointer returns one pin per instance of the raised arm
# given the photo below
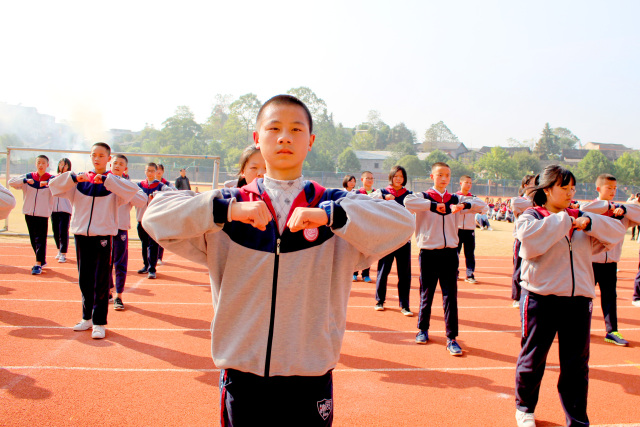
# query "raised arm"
(605, 231)
(7, 202)
(539, 235)
(64, 185)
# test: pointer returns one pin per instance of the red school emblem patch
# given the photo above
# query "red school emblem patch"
(311, 234)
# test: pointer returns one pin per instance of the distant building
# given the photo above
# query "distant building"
(453, 149)
(373, 160)
(574, 155)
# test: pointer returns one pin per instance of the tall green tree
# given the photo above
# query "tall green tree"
(436, 156)
(547, 146)
(496, 164)
(592, 165)
(413, 165)
(565, 138)
(437, 133)
(316, 105)
(348, 162)
(628, 168)
(525, 163)
(246, 110)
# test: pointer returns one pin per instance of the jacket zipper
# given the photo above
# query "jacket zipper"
(573, 278)
(443, 232)
(35, 202)
(272, 317)
(91, 214)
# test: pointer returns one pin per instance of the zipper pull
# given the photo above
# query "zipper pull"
(569, 245)
(278, 247)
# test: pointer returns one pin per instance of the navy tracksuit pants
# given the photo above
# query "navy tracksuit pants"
(636, 287)
(251, 400)
(120, 260)
(94, 267)
(517, 267)
(468, 238)
(403, 267)
(60, 224)
(38, 227)
(607, 277)
(544, 316)
(439, 265)
(149, 249)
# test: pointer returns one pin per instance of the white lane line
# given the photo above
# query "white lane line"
(348, 370)
(483, 331)
(128, 302)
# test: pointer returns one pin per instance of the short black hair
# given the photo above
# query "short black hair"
(440, 164)
(604, 177)
(161, 166)
(42, 156)
(285, 100)
(346, 179)
(103, 145)
(151, 164)
(394, 170)
(121, 156)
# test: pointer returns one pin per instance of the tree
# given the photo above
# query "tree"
(565, 138)
(178, 130)
(458, 169)
(628, 168)
(436, 156)
(436, 134)
(413, 165)
(526, 163)
(592, 165)
(363, 140)
(496, 164)
(348, 162)
(317, 107)
(246, 109)
(547, 146)
(401, 134)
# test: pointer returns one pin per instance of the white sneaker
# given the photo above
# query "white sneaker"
(525, 419)
(63, 258)
(516, 304)
(83, 325)
(58, 256)
(98, 332)
(636, 303)
(159, 262)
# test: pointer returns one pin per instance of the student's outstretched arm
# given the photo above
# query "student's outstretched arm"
(139, 200)
(18, 182)
(417, 203)
(374, 227)
(476, 205)
(632, 214)
(123, 188)
(599, 207)
(520, 204)
(64, 185)
(539, 235)
(7, 202)
(179, 220)
(606, 232)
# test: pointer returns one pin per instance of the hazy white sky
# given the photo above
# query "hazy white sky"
(489, 69)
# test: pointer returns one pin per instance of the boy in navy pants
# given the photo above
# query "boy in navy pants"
(276, 334)
(95, 197)
(605, 265)
(437, 238)
(150, 247)
(120, 256)
(467, 227)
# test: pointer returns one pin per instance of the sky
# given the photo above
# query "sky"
(491, 70)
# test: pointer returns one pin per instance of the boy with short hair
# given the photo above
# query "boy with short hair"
(120, 255)
(150, 248)
(7, 202)
(37, 207)
(96, 197)
(437, 238)
(605, 264)
(182, 182)
(276, 332)
(367, 188)
(467, 227)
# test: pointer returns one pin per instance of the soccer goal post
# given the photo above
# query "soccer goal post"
(203, 170)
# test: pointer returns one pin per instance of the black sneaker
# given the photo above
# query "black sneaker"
(118, 305)
(143, 270)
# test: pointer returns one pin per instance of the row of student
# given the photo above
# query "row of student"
(289, 231)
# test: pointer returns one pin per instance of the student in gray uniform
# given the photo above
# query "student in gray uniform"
(557, 282)
(7, 202)
(277, 330)
(61, 217)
